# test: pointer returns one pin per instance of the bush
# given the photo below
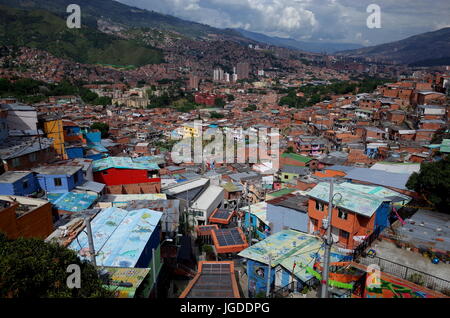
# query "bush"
(31, 268)
(207, 249)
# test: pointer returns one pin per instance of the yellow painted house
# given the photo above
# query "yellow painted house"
(191, 130)
(54, 129)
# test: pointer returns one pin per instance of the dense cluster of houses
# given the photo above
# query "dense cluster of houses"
(146, 210)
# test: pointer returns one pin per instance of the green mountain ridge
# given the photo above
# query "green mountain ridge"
(47, 31)
(431, 47)
(93, 10)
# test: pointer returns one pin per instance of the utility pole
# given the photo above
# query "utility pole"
(154, 273)
(87, 223)
(328, 242)
(268, 277)
(249, 228)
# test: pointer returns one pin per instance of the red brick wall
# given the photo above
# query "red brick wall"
(8, 223)
(37, 223)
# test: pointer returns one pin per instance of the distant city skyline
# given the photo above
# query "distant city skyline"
(341, 21)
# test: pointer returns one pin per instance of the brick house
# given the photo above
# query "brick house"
(25, 217)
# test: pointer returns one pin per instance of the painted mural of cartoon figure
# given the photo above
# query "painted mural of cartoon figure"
(260, 272)
(373, 281)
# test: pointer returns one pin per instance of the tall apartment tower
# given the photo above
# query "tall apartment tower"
(193, 82)
(218, 75)
(243, 70)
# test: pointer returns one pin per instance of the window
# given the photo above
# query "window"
(75, 178)
(151, 174)
(319, 206)
(105, 171)
(261, 227)
(25, 184)
(342, 214)
(314, 224)
(33, 157)
(15, 162)
(344, 234)
(58, 182)
(286, 176)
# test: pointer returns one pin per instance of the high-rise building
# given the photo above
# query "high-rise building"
(243, 70)
(218, 75)
(193, 82)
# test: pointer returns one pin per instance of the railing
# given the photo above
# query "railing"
(283, 292)
(366, 243)
(408, 273)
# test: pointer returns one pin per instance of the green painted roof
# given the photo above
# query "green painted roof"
(281, 192)
(296, 157)
(362, 199)
(288, 247)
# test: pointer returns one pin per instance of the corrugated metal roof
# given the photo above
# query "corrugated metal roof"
(14, 147)
(71, 201)
(383, 178)
(407, 168)
(124, 163)
(358, 198)
(120, 236)
(288, 247)
(91, 186)
(208, 197)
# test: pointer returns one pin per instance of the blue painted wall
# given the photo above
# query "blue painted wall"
(75, 152)
(280, 216)
(72, 130)
(18, 187)
(382, 216)
(47, 182)
(93, 137)
(3, 128)
(257, 277)
(95, 157)
(255, 222)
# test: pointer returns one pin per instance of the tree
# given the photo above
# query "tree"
(441, 134)
(219, 102)
(216, 115)
(433, 183)
(31, 268)
(290, 149)
(103, 127)
(250, 108)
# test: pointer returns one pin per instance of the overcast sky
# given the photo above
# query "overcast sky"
(312, 20)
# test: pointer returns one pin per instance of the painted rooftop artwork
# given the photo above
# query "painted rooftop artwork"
(288, 247)
(124, 163)
(119, 236)
(71, 201)
(361, 199)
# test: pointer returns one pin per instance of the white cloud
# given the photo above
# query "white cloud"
(330, 20)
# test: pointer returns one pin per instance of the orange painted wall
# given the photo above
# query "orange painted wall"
(355, 225)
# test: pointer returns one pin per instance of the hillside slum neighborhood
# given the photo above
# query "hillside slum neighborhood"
(235, 230)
